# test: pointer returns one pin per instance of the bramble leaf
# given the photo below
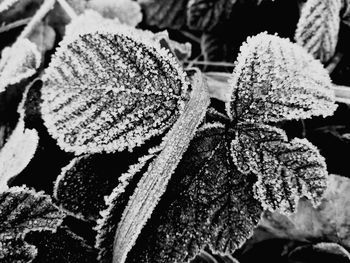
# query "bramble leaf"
(113, 100)
(22, 211)
(275, 80)
(18, 62)
(126, 11)
(164, 13)
(318, 27)
(286, 170)
(16, 250)
(205, 15)
(207, 202)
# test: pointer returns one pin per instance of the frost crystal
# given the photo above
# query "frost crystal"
(127, 11)
(276, 80)
(318, 27)
(110, 91)
(18, 62)
(23, 211)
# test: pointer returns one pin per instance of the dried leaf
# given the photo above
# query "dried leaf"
(18, 62)
(62, 246)
(17, 153)
(286, 170)
(16, 250)
(164, 13)
(329, 222)
(113, 100)
(276, 80)
(23, 211)
(205, 15)
(126, 11)
(208, 202)
(318, 27)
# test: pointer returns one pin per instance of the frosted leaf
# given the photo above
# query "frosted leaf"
(110, 91)
(63, 246)
(17, 152)
(23, 210)
(318, 27)
(116, 201)
(126, 11)
(286, 170)
(7, 4)
(207, 202)
(276, 80)
(164, 13)
(16, 250)
(154, 181)
(18, 62)
(204, 15)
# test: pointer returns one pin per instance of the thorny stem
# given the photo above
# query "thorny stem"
(15, 24)
(68, 9)
(36, 19)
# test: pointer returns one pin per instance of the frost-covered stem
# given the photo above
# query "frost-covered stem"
(154, 182)
(15, 24)
(68, 9)
(342, 93)
(36, 19)
(334, 62)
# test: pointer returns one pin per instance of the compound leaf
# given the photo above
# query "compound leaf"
(114, 99)
(286, 171)
(318, 27)
(276, 80)
(207, 202)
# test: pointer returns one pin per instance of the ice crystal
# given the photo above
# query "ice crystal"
(111, 90)
(286, 170)
(127, 11)
(275, 80)
(204, 15)
(164, 13)
(208, 202)
(22, 211)
(18, 62)
(318, 27)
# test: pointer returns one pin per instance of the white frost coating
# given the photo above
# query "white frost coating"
(18, 62)
(126, 11)
(71, 83)
(17, 153)
(276, 80)
(154, 182)
(318, 27)
(7, 4)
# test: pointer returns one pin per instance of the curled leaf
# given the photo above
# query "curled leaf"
(113, 100)
(17, 152)
(318, 27)
(286, 171)
(18, 62)
(126, 11)
(276, 80)
(207, 203)
(165, 13)
(205, 15)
